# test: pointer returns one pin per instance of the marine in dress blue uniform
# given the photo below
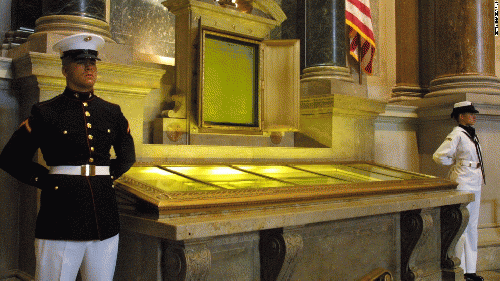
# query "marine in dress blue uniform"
(461, 149)
(75, 132)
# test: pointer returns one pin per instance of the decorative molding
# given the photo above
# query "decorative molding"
(326, 72)
(396, 110)
(341, 104)
(234, 21)
(69, 25)
(454, 219)
(412, 226)
(462, 84)
(113, 78)
(407, 93)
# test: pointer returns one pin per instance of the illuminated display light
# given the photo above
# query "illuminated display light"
(188, 187)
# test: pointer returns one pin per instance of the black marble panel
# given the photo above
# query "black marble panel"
(324, 33)
(24, 13)
(289, 26)
(87, 8)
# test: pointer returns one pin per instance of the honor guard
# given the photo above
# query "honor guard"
(78, 223)
(461, 149)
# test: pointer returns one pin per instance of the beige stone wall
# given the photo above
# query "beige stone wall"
(380, 84)
(396, 129)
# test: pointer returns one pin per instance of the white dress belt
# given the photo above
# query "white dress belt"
(83, 170)
(469, 163)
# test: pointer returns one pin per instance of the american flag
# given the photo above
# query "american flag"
(362, 42)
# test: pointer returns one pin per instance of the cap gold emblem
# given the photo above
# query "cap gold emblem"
(87, 39)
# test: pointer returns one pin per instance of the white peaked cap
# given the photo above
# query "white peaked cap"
(82, 45)
(462, 104)
(463, 107)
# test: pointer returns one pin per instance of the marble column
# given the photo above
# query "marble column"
(85, 8)
(323, 39)
(73, 16)
(464, 48)
(408, 84)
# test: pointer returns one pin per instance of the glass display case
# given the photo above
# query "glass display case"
(172, 188)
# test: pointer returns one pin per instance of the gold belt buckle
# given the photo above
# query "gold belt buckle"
(88, 170)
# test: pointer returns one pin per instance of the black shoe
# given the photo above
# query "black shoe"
(473, 277)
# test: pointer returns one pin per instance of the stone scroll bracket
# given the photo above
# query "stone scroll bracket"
(379, 274)
(412, 226)
(181, 261)
(454, 219)
(279, 253)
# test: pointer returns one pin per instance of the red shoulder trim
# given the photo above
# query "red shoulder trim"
(26, 124)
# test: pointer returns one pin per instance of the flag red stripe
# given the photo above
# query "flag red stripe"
(361, 6)
(360, 25)
(361, 36)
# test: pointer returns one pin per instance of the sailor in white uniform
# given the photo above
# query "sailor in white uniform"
(462, 150)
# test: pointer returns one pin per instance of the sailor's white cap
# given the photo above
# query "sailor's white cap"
(80, 46)
(462, 104)
(463, 107)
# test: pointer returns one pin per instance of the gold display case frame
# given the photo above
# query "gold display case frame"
(278, 85)
(141, 198)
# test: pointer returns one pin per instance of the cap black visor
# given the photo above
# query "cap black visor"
(81, 54)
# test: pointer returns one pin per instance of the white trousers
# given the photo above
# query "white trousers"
(61, 260)
(466, 248)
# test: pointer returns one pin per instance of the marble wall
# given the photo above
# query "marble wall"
(4, 18)
(9, 198)
(16, 199)
(396, 138)
(144, 24)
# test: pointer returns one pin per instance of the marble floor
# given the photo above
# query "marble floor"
(490, 275)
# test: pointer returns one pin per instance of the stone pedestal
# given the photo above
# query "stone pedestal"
(352, 238)
(344, 123)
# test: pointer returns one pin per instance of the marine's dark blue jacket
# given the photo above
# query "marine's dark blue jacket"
(72, 129)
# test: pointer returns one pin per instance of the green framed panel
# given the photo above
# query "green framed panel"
(229, 89)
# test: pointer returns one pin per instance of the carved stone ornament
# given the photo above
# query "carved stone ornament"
(379, 274)
(411, 229)
(279, 254)
(185, 262)
(276, 137)
(174, 132)
(454, 219)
